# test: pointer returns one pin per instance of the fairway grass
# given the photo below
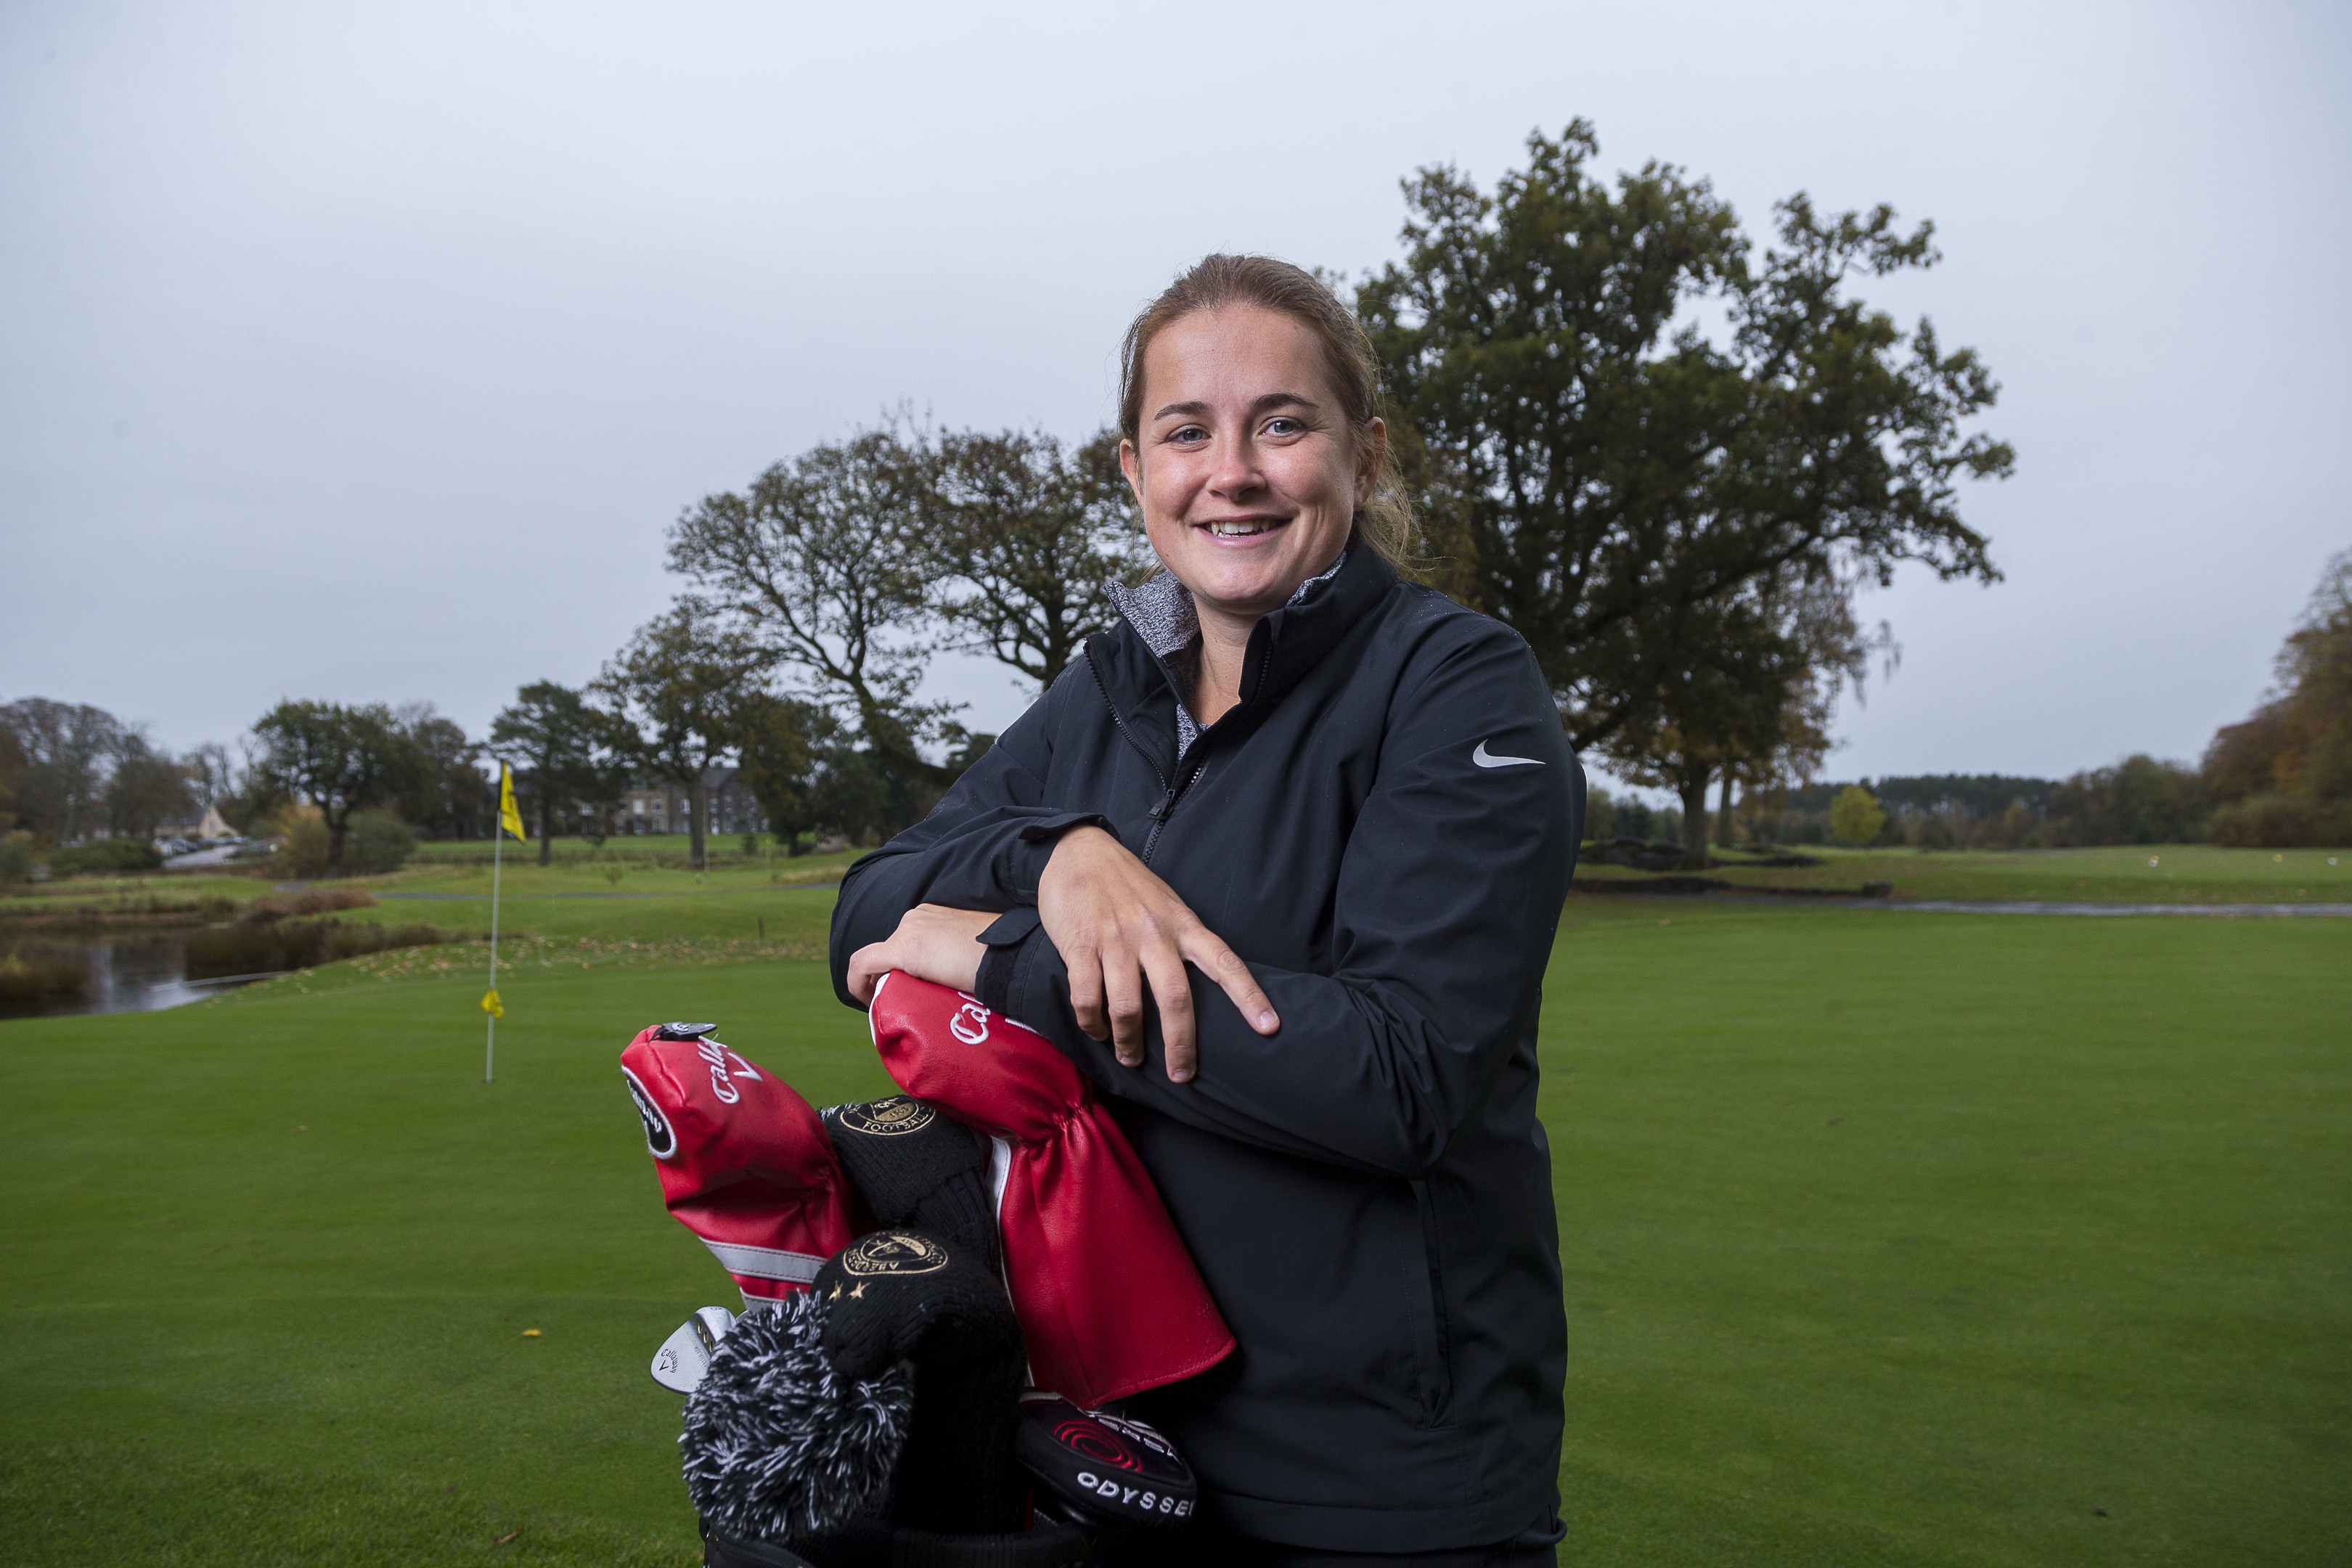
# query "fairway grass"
(1902, 1242)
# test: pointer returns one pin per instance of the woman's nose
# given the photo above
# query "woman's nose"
(1236, 473)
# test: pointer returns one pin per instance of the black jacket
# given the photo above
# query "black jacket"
(1384, 828)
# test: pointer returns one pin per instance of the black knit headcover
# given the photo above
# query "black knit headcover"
(903, 1295)
(916, 1165)
(888, 1390)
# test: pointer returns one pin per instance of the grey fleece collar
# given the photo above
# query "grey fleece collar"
(1162, 614)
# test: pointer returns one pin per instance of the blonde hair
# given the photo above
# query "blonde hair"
(1385, 520)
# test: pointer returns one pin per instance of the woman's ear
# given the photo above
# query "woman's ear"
(1130, 463)
(1370, 451)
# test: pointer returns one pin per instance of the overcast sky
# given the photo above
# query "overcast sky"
(364, 353)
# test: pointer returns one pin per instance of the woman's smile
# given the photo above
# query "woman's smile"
(1239, 528)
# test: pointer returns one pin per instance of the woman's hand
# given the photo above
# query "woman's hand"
(1118, 928)
(933, 942)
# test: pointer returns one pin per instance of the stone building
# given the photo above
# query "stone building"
(658, 806)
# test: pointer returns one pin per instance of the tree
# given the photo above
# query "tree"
(1728, 697)
(1025, 532)
(446, 797)
(60, 789)
(2294, 754)
(780, 746)
(1592, 464)
(148, 787)
(1753, 682)
(235, 785)
(1856, 816)
(214, 777)
(676, 690)
(865, 798)
(341, 760)
(566, 753)
(12, 766)
(826, 559)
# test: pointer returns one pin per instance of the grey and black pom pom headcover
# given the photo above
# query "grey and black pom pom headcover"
(780, 1444)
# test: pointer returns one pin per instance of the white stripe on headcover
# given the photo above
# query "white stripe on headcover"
(1000, 1167)
(765, 1262)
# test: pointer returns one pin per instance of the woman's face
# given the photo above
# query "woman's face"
(1247, 473)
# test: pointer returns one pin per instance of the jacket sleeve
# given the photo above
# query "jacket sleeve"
(1448, 900)
(983, 847)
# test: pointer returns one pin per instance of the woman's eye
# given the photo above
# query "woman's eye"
(1188, 433)
(1283, 425)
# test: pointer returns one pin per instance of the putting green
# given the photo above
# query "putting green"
(1888, 1239)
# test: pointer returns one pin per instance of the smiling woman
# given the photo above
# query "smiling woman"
(1278, 866)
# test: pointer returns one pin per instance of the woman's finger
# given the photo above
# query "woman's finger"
(1171, 988)
(866, 966)
(1223, 966)
(1123, 995)
(1084, 964)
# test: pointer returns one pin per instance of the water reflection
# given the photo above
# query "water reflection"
(140, 975)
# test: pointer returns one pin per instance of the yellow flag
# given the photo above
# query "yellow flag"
(509, 817)
(491, 1004)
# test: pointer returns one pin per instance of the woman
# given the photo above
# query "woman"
(1279, 864)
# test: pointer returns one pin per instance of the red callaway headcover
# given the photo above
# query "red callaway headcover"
(744, 1162)
(1107, 1295)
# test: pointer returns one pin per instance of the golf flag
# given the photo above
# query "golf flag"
(509, 819)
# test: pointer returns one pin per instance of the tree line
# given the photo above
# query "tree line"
(2281, 778)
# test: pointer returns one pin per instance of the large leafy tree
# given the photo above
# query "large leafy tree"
(1023, 533)
(566, 753)
(826, 561)
(341, 760)
(1616, 414)
(678, 691)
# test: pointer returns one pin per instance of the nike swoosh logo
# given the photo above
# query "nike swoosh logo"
(1486, 759)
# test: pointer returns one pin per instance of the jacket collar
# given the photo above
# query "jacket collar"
(1283, 647)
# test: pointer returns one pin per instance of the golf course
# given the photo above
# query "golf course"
(1890, 1237)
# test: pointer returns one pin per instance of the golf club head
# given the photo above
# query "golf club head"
(685, 1356)
(1102, 1468)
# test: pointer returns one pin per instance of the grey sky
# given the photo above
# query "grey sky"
(365, 352)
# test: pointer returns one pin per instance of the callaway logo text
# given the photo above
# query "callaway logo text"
(717, 1056)
(970, 1023)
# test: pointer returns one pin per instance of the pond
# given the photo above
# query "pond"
(48, 978)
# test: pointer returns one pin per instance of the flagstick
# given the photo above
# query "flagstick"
(498, 852)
